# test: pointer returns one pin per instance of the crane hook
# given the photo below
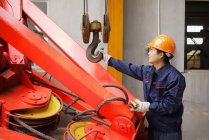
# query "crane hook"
(95, 27)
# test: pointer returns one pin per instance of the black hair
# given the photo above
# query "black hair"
(166, 58)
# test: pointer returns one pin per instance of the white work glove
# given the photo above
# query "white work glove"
(106, 56)
(142, 106)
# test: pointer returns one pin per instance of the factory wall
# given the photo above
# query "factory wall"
(141, 25)
(197, 90)
(68, 15)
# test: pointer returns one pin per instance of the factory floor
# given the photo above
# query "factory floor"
(195, 121)
(58, 133)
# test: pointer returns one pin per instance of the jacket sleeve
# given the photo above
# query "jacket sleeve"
(127, 68)
(172, 99)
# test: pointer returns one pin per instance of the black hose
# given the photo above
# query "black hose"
(118, 87)
(49, 85)
(107, 101)
(69, 105)
(34, 130)
(76, 111)
(82, 115)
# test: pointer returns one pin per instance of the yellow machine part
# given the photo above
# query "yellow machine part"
(77, 129)
(50, 110)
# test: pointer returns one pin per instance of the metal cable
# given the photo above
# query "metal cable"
(69, 105)
(44, 136)
(81, 115)
(107, 101)
(49, 85)
(120, 88)
(85, 6)
(76, 111)
(106, 7)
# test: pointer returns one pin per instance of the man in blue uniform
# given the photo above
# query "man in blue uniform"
(163, 88)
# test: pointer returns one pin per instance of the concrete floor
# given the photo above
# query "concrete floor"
(195, 121)
(59, 132)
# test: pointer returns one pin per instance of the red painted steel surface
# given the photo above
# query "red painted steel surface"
(80, 105)
(59, 66)
(75, 72)
(70, 48)
(14, 7)
(6, 134)
(22, 97)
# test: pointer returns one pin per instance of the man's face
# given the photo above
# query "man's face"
(154, 56)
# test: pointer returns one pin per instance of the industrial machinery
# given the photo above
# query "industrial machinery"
(95, 27)
(31, 103)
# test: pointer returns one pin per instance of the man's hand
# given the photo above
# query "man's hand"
(141, 106)
(106, 57)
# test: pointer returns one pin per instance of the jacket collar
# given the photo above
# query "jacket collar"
(163, 69)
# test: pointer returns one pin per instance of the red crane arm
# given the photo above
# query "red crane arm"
(70, 48)
(63, 69)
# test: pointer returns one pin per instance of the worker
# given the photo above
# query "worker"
(163, 87)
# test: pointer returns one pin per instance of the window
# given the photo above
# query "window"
(197, 35)
(194, 61)
(192, 41)
(194, 28)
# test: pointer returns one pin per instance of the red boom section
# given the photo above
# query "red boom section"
(70, 48)
(63, 69)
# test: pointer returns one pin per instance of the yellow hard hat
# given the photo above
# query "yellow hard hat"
(164, 43)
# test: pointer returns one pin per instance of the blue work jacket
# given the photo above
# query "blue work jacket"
(163, 88)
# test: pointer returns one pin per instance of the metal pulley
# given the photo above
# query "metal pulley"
(43, 118)
(51, 109)
(85, 28)
(96, 28)
(106, 24)
(106, 29)
(85, 23)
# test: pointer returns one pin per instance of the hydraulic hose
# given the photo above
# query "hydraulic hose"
(29, 128)
(120, 88)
